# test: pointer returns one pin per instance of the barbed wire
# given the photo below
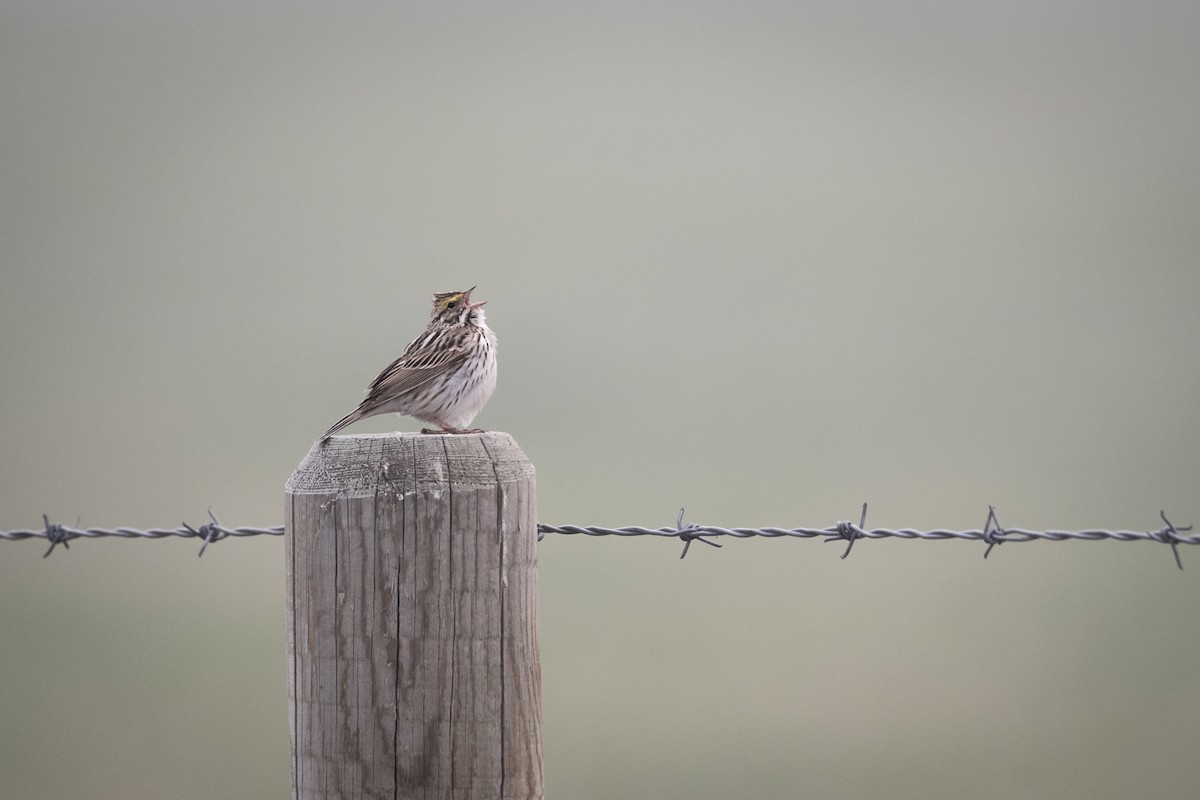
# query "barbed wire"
(992, 534)
(210, 532)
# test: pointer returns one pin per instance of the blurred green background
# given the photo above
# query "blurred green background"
(766, 260)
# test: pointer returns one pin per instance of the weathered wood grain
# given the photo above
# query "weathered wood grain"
(412, 626)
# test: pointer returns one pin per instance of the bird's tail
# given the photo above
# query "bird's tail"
(352, 417)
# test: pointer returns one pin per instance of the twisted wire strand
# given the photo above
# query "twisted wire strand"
(1008, 534)
(67, 533)
(991, 533)
(210, 532)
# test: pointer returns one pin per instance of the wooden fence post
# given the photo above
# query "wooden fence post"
(412, 626)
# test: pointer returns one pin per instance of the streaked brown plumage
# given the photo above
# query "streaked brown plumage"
(445, 375)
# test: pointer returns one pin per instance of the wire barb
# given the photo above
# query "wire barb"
(993, 534)
(848, 531)
(209, 531)
(57, 535)
(1170, 535)
(689, 533)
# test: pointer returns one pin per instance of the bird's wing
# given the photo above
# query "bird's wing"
(424, 360)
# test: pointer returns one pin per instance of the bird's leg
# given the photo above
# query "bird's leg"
(444, 429)
(449, 429)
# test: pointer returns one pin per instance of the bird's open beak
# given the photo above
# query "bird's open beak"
(467, 298)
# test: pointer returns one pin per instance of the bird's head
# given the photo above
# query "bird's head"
(456, 308)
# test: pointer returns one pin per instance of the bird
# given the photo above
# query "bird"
(444, 376)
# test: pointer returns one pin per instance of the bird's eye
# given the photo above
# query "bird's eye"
(452, 304)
